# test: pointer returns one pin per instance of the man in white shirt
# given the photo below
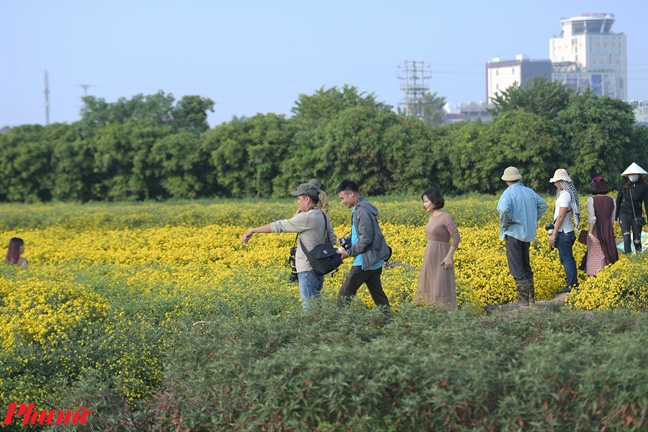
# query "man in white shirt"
(563, 236)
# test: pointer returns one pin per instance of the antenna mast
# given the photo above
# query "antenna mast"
(47, 104)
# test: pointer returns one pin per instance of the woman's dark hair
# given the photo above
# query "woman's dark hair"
(435, 197)
(13, 251)
(599, 187)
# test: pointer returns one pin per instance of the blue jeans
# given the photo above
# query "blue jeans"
(564, 244)
(310, 286)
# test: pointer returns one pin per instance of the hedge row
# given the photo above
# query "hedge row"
(425, 370)
(147, 148)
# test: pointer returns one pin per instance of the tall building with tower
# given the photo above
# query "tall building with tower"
(588, 53)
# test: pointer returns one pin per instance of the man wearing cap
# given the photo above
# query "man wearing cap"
(563, 236)
(323, 199)
(633, 192)
(314, 228)
(520, 208)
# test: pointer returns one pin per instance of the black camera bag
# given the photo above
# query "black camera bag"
(324, 257)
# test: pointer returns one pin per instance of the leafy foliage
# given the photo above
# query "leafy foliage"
(246, 154)
(149, 147)
(541, 96)
(103, 317)
(431, 106)
(427, 370)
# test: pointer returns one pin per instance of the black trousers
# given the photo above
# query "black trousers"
(519, 262)
(628, 221)
(354, 281)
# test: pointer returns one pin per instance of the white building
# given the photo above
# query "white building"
(501, 74)
(589, 54)
(640, 111)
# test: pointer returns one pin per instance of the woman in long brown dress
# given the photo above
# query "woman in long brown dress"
(436, 283)
(601, 246)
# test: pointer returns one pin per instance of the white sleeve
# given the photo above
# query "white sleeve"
(591, 217)
(564, 200)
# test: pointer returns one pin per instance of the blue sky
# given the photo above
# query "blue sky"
(258, 56)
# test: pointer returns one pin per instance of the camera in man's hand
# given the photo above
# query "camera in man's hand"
(550, 229)
(345, 242)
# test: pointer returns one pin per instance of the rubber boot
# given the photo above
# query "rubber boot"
(522, 294)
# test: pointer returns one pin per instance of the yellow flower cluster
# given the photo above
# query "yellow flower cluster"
(621, 285)
(39, 311)
(146, 268)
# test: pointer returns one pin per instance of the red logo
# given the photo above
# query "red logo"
(29, 415)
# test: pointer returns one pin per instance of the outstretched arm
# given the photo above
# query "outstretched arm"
(261, 229)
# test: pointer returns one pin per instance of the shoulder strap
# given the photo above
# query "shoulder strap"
(325, 233)
(634, 215)
(326, 227)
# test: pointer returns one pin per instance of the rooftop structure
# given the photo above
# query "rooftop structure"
(501, 74)
(589, 53)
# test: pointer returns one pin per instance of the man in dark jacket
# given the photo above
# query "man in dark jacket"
(368, 248)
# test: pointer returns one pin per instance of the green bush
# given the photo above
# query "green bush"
(147, 148)
(425, 370)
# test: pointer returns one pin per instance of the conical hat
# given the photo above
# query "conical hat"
(634, 169)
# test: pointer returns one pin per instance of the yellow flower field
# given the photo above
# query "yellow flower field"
(106, 280)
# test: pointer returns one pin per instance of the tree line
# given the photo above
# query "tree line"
(154, 148)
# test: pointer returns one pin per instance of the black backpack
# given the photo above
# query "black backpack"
(324, 257)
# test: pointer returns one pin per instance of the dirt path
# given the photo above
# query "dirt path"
(558, 300)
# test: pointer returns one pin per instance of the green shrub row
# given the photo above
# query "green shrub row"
(332, 370)
(147, 148)
(467, 210)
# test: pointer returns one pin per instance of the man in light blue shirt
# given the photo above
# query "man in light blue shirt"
(520, 208)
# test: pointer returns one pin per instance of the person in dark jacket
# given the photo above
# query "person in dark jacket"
(633, 191)
(368, 249)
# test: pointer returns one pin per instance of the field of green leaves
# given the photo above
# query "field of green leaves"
(104, 317)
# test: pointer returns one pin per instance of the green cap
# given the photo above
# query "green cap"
(306, 189)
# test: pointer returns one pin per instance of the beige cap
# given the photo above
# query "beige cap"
(634, 169)
(560, 174)
(315, 183)
(511, 174)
